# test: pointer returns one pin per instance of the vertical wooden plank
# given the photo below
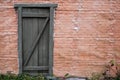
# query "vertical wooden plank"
(41, 21)
(43, 45)
(20, 38)
(33, 32)
(34, 35)
(51, 44)
(33, 26)
(30, 32)
(46, 46)
(43, 49)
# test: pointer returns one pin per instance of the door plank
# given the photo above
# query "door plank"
(36, 68)
(30, 51)
(30, 14)
(20, 48)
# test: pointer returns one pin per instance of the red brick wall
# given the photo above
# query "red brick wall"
(86, 35)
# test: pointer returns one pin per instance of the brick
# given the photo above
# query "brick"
(6, 2)
(6, 21)
(7, 12)
(116, 7)
(96, 5)
(23, 1)
(7, 65)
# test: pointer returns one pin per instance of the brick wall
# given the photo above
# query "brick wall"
(86, 35)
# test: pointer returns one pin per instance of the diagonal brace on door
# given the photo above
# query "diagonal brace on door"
(30, 51)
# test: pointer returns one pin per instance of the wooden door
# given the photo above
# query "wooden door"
(35, 26)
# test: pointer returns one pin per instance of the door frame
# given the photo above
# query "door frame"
(51, 7)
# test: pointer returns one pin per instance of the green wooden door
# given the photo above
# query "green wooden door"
(35, 38)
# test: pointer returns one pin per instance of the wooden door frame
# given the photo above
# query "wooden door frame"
(51, 43)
